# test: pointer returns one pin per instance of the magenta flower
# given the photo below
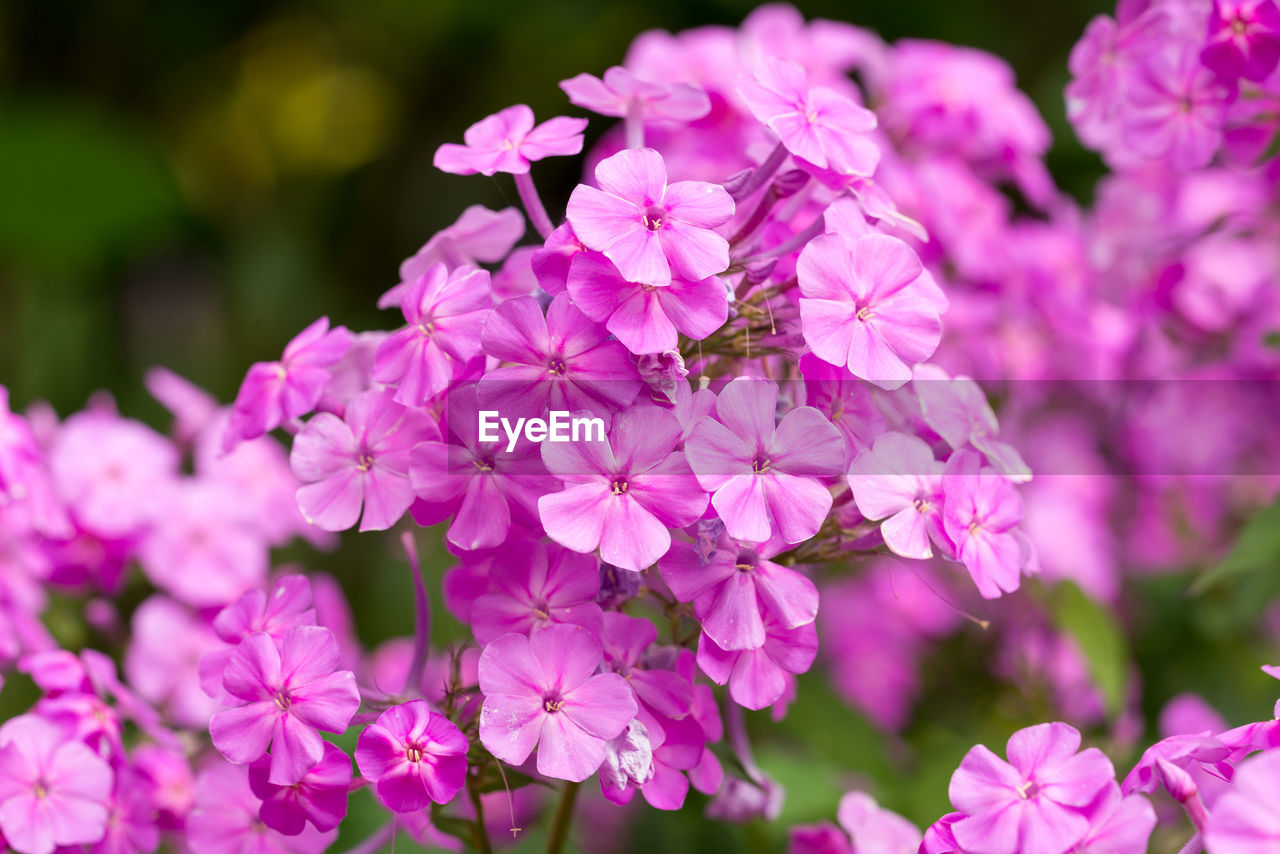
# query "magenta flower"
(645, 318)
(53, 791)
(650, 230)
(1244, 39)
(275, 392)
(507, 141)
(529, 591)
(320, 797)
(899, 481)
(414, 757)
(545, 692)
(562, 361)
(874, 829)
(359, 461)
(1118, 824)
(444, 311)
(736, 587)
(765, 478)
(621, 496)
(980, 513)
(487, 489)
(1247, 816)
(661, 691)
(816, 124)
(287, 693)
(760, 677)
(1036, 803)
(1177, 111)
(226, 818)
(621, 93)
(162, 660)
(869, 304)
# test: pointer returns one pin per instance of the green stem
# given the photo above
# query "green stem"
(482, 831)
(564, 817)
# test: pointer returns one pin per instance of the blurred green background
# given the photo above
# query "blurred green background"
(190, 183)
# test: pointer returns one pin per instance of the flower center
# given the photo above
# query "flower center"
(619, 487)
(364, 461)
(542, 610)
(1028, 790)
(427, 327)
(922, 505)
(761, 465)
(552, 704)
(413, 753)
(40, 790)
(1238, 26)
(865, 313)
(282, 701)
(556, 367)
(484, 464)
(653, 217)
(746, 561)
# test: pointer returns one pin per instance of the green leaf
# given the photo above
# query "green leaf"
(1257, 548)
(1100, 638)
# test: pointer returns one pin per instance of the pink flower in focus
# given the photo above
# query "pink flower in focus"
(533, 590)
(760, 677)
(1037, 802)
(415, 757)
(622, 93)
(980, 513)
(287, 693)
(53, 791)
(561, 361)
(899, 481)
(1244, 39)
(621, 496)
(869, 304)
(818, 125)
(645, 318)
(765, 477)
(479, 236)
(736, 587)
(649, 229)
(359, 461)
(320, 797)
(545, 692)
(444, 311)
(1118, 824)
(275, 392)
(506, 141)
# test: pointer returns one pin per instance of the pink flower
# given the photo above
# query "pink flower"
(869, 304)
(816, 124)
(1246, 818)
(358, 461)
(544, 691)
(645, 318)
(275, 392)
(320, 797)
(650, 230)
(414, 757)
(980, 513)
(163, 658)
(487, 489)
(736, 587)
(899, 481)
(561, 361)
(874, 829)
(1034, 804)
(533, 590)
(765, 477)
(226, 819)
(1244, 39)
(1176, 112)
(53, 791)
(1119, 824)
(287, 693)
(760, 677)
(507, 141)
(444, 311)
(621, 93)
(621, 496)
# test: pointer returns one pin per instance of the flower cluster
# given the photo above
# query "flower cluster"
(739, 316)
